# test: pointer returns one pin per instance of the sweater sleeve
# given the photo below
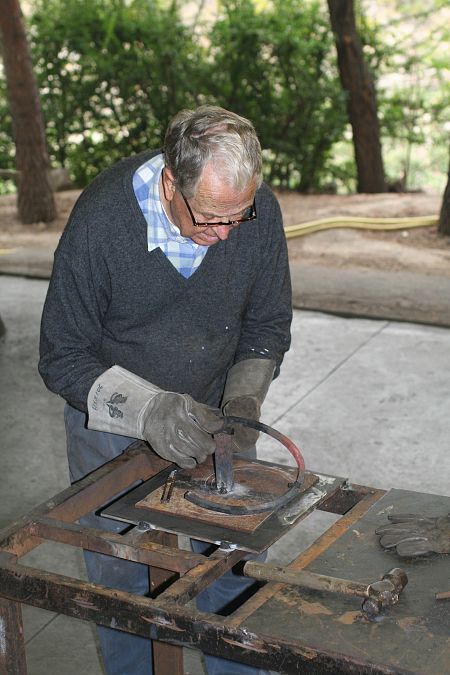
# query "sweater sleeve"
(71, 325)
(266, 324)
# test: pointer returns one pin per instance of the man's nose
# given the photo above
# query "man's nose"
(222, 231)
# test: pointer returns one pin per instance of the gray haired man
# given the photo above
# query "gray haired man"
(169, 305)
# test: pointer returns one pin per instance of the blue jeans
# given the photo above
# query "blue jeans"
(124, 653)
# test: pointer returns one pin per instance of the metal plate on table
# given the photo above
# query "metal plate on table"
(142, 505)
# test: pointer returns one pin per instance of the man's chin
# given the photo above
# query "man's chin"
(205, 240)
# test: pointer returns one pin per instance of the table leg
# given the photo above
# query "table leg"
(12, 643)
(167, 659)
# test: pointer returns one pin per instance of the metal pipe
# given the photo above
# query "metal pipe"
(223, 461)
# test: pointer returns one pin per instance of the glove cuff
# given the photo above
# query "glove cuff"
(118, 401)
(249, 378)
(243, 406)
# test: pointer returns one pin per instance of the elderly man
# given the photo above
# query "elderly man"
(169, 305)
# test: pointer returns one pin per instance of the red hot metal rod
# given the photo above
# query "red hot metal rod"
(284, 440)
(224, 471)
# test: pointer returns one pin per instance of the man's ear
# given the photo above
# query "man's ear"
(168, 184)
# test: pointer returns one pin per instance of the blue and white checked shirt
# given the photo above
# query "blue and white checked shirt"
(183, 253)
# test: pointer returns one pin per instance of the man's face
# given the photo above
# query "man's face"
(214, 201)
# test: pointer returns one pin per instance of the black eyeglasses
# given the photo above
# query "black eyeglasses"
(249, 214)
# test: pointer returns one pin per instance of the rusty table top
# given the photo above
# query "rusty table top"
(284, 628)
(410, 637)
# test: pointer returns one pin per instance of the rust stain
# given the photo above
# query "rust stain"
(246, 645)
(161, 621)
(292, 598)
(313, 608)
(349, 617)
(408, 622)
(417, 624)
(83, 602)
(306, 653)
(289, 600)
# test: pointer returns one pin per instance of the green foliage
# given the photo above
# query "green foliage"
(413, 92)
(277, 67)
(111, 75)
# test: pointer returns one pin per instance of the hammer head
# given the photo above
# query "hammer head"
(398, 578)
(384, 593)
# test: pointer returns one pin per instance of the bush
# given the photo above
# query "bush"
(277, 67)
(113, 72)
(111, 75)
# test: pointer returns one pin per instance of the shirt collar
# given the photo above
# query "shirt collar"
(159, 227)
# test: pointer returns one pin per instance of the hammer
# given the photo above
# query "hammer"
(377, 596)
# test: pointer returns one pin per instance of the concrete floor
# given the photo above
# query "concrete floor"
(367, 399)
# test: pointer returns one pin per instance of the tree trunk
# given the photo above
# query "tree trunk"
(35, 199)
(444, 216)
(361, 99)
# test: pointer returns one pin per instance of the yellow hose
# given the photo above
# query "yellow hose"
(359, 223)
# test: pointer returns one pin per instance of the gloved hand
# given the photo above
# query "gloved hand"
(245, 389)
(413, 535)
(176, 426)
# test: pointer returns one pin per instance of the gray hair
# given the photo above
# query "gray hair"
(196, 137)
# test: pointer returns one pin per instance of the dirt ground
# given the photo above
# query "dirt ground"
(396, 249)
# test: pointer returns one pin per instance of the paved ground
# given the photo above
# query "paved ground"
(402, 275)
(367, 399)
(376, 275)
(342, 271)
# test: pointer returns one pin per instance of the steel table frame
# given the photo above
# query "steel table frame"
(169, 617)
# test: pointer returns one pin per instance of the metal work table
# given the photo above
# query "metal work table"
(283, 628)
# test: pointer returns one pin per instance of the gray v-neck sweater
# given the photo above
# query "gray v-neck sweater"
(111, 302)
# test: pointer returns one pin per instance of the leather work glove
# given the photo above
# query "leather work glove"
(245, 389)
(177, 427)
(413, 535)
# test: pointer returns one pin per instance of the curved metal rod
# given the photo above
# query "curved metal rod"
(234, 510)
(264, 506)
(284, 440)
